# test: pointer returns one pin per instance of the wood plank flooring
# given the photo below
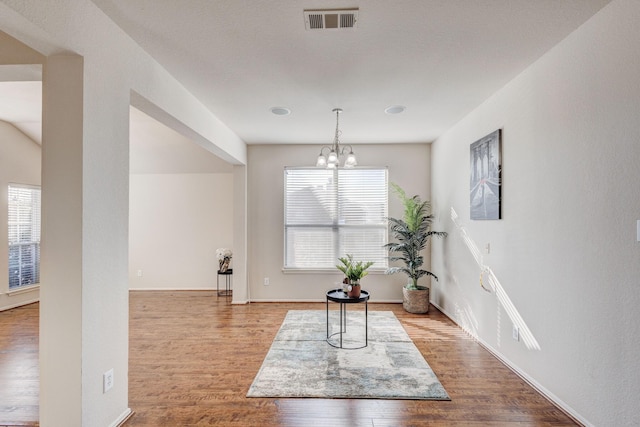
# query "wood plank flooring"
(19, 372)
(193, 357)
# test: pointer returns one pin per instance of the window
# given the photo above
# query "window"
(24, 235)
(333, 212)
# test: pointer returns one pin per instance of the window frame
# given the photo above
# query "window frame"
(337, 226)
(35, 232)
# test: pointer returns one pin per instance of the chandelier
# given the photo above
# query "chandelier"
(332, 159)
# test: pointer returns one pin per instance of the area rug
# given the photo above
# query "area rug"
(301, 363)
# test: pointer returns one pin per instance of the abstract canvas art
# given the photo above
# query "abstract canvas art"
(486, 179)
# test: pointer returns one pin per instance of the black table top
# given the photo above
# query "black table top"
(226, 272)
(338, 295)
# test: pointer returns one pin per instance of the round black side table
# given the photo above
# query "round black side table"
(339, 296)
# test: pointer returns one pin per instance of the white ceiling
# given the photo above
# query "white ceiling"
(21, 104)
(440, 59)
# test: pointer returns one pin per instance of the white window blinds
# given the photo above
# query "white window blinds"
(333, 212)
(24, 235)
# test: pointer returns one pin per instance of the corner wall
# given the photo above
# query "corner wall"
(565, 253)
(409, 166)
(176, 223)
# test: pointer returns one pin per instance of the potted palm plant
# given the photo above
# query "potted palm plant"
(353, 271)
(411, 234)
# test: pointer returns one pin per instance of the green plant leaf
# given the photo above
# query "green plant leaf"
(353, 270)
(411, 235)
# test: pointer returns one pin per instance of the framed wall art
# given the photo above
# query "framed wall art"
(486, 180)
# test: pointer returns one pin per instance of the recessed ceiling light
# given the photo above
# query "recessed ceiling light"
(280, 111)
(394, 109)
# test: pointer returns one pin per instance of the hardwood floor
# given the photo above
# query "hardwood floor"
(193, 357)
(19, 372)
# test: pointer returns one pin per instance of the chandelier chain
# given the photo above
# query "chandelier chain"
(335, 152)
(336, 139)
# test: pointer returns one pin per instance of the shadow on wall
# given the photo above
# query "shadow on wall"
(490, 283)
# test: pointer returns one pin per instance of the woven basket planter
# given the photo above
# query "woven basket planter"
(416, 301)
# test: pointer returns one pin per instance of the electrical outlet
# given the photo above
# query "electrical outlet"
(266, 281)
(139, 273)
(515, 333)
(107, 380)
(487, 248)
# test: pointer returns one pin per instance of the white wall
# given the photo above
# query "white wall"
(19, 164)
(409, 166)
(65, 336)
(176, 223)
(240, 244)
(565, 252)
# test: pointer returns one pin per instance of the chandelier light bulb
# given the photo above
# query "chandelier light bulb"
(350, 161)
(333, 157)
(331, 161)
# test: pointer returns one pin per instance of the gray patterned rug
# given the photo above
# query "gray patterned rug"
(301, 363)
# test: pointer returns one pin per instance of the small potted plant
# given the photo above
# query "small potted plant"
(411, 236)
(353, 272)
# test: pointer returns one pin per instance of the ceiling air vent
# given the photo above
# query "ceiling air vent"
(330, 19)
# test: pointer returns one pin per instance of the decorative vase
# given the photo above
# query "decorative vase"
(224, 264)
(416, 300)
(354, 291)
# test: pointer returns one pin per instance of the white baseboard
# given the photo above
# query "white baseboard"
(122, 418)
(249, 301)
(285, 300)
(19, 304)
(321, 300)
(173, 289)
(516, 370)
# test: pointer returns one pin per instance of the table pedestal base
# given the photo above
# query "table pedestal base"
(337, 295)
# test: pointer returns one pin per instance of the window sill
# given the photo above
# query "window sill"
(23, 290)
